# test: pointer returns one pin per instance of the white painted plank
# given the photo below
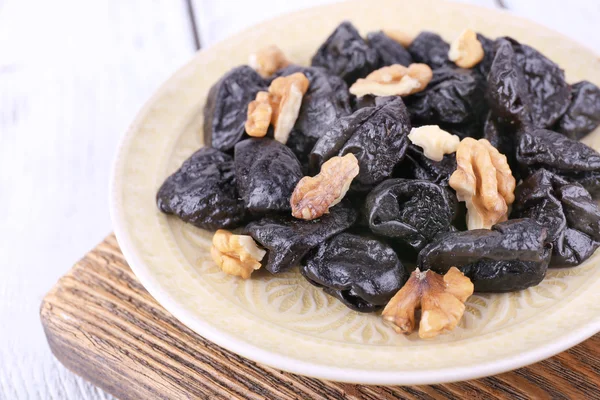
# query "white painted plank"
(72, 76)
(219, 19)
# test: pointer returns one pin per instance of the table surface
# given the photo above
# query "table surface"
(72, 76)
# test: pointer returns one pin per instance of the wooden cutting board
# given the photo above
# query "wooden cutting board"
(103, 325)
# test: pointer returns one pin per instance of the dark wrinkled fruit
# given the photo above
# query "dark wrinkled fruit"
(416, 166)
(362, 273)
(568, 212)
(267, 173)
(326, 100)
(526, 87)
(389, 51)
(573, 160)
(410, 211)
(203, 191)
(288, 239)
(488, 55)
(431, 49)
(227, 105)
(377, 136)
(583, 114)
(512, 256)
(346, 54)
(454, 97)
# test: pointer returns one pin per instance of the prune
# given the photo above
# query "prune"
(583, 114)
(566, 210)
(326, 100)
(267, 173)
(389, 51)
(431, 49)
(288, 239)
(346, 54)
(573, 160)
(411, 211)
(488, 55)
(416, 166)
(226, 107)
(377, 136)
(454, 97)
(511, 256)
(525, 87)
(203, 191)
(362, 273)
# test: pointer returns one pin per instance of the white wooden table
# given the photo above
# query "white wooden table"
(73, 74)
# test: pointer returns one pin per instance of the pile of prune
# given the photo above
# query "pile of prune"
(401, 208)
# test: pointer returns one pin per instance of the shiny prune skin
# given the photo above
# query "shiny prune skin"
(417, 166)
(566, 210)
(346, 54)
(363, 273)
(267, 173)
(377, 136)
(287, 239)
(512, 256)
(326, 100)
(203, 191)
(410, 211)
(583, 114)
(455, 97)
(488, 55)
(389, 51)
(431, 49)
(525, 87)
(227, 105)
(568, 158)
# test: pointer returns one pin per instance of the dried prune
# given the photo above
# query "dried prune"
(288, 239)
(227, 104)
(573, 160)
(346, 54)
(568, 212)
(410, 211)
(431, 49)
(525, 87)
(267, 173)
(361, 272)
(377, 136)
(389, 51)
(583, 114)
(512, 256)
(488, 55)
(416, 166)
(453, 98)
(203, 191)
(326, 100)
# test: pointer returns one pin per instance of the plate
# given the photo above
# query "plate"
(283, 321)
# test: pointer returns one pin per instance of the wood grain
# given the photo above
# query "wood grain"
(102, 324)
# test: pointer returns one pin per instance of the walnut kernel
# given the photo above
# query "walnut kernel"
(441, 299)
(484, 181)
(236, 255)
(313, 196)
(395, 80)
(466, 51)
(260, 112)
(268, 60)
(399, 36)
(434, 141)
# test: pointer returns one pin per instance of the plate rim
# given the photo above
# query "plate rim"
(287, 363)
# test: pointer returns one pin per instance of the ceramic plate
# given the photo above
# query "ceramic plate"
(283, 321)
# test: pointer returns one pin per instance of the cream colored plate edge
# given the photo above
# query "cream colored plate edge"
(170, 259)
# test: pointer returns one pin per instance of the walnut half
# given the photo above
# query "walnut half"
(466, 51)
(434, 141)
(441, 299)
(313, 196)
(278, 107)
(395, 80)
(484, 181)
(268, 60)
(237, 255)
